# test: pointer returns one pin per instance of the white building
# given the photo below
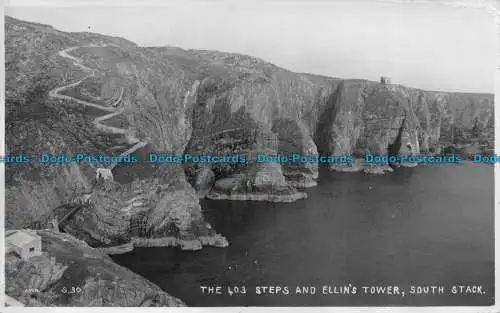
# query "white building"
(25, 244)
(104, 173)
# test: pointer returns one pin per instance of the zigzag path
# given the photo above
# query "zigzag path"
(56, 93)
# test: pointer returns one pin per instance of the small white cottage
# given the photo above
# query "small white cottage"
(25, 244)
(104, 173)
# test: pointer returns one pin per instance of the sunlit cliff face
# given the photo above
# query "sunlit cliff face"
(409, 143)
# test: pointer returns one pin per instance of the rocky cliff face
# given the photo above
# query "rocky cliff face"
(158, 211)
(198, 102)
(71, 273)
(156, 99)
(182, 101)
(309, 115)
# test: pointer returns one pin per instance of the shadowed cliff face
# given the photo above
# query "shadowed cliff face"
(199, 102)
(395, 147)
(340, 122)
(294, 138)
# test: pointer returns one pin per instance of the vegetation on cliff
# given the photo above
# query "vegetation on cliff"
(183, 101)
(198, 102)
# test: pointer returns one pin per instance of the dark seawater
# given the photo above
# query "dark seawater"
(422, 226)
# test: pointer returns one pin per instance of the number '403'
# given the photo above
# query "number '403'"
(236, 290)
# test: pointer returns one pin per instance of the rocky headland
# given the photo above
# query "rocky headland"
(201, 103)
(71, 273)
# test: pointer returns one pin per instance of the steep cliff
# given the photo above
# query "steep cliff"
(196, 102)
(87, 93)
(312, 114)
(154, 100)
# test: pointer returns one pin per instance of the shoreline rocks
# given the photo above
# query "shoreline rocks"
(217, 241)
(406, 165)
(378, 169)
(359, 165)
(303, 184)
(356, 166)
(264, 182)
(259, 197)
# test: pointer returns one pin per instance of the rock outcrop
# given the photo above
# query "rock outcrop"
(71, 273)
(158, 211)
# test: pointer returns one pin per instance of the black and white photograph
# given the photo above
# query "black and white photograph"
(250, 153)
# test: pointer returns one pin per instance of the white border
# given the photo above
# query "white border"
(2, 152)
(491, 6)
